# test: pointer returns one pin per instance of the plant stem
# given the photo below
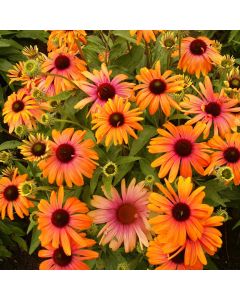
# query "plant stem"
(71, 122)
(147, 52)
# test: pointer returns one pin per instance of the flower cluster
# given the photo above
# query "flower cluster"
(121, 145)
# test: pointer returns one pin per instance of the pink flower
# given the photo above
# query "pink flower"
(125, 216)
(103, 88)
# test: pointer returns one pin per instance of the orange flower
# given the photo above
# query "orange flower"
(66, 38)
(114, 121)
(147, 35)
(156, 256)
(60, 222)
(198, 55)
(227, 154)
(180, 214)
(194, 251)
(62, 63)
(181, 151)
(70, 158)
(157, 88)
(56, 259)
(211, 108)
(209, 242)
(22, 109)
(10, 197)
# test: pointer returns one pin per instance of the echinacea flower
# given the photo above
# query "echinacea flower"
(115, 120)
(168, 40)
(147, 35)
(66, 38)
(226, 153)
(22, 109)
(59, 221)
(59, 64)
(70, 157)
(198, 55)
(179, 150)
(56, 258)
(233, 80)
(164, 261)
(125, 216)
(35, 148)
(103, 88)
(208, 243)
(11, 199)
(156, 88)
(211, 108)
(16, 73)
(179, 214)
(49, 90)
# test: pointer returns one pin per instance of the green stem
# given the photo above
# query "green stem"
(128, 45)
(179, 43)
(71, 122)
(147, 52)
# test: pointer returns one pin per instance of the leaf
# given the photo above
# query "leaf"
(21, 168)
(5, 65)
(31, 226)
(125, 34)
(62, 96)
(213, 187)
(132, 60)
(4, 252)
(21, 242)
(4, 43)
(107, 181)
(9, 145)
(35, 242)
(146, 168)
(210, 264)
(143, 138)
(94, 180)
(236, 225)
(4, 228)
(41, 35)
(126, 159)
(122, 171)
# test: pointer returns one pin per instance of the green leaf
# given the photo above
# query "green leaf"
(62, 96)
(35, 242)
(143, 138)
(126, 159)
(146, 168)
(41, 35)
(107, 181)
(21, 242)
(5, 65)
(4, 252)
(9, 145)
(4, 228)
(94, 180)
(122, 171)
(126, 35)
(131, 60)
(236, 225)
(4, 43)
(31, 226)
(213, 187)
(21, 168)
